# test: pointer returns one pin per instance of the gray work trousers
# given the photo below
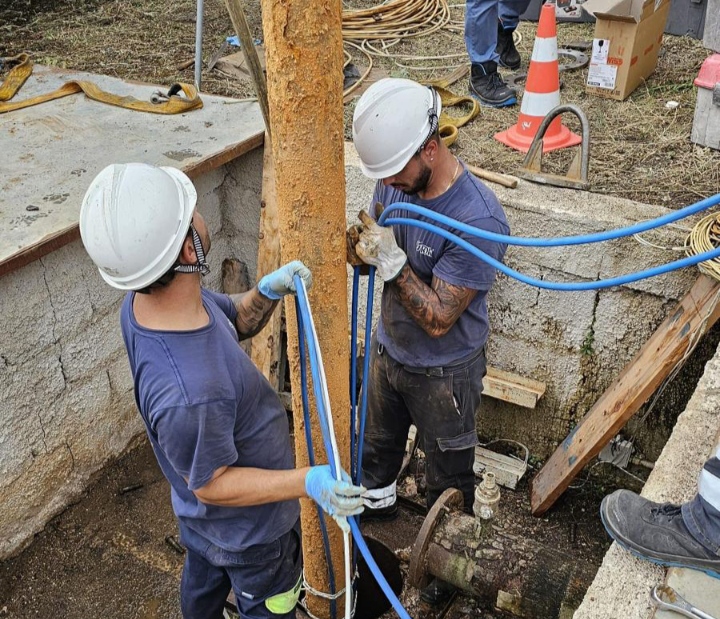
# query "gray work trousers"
(441, 402)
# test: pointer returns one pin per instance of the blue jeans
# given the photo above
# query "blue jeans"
(255, 575)
(481, 24)
(701, 515)
(441, 402)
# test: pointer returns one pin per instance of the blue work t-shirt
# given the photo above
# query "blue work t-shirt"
(205, 405)
(470, 202)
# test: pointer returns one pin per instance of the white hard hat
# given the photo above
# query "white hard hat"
(133, 221)
(392, 120)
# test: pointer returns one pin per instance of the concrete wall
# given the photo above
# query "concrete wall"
(575, 342)
(66, 402)
(622, 585)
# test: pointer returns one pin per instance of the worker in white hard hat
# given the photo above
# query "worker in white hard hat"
(218, 429)
(428, 351)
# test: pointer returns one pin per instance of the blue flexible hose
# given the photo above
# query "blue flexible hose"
(311, 461)
(565, 286)
(303, 311)
(597, 237)
(366, 371)
(353, 370)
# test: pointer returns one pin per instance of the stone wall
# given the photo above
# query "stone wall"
(66, 401)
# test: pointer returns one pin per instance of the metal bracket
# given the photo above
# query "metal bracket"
(577, 174)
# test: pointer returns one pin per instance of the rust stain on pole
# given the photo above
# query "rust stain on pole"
(303, 46)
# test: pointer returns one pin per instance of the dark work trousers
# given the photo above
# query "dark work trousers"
(441, 402)
(256, 575)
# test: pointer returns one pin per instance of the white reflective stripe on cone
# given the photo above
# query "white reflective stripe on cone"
(709, 488)
(378, 498)
(539, 104)
(545, 50)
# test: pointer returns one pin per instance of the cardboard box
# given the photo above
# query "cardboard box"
(628, 37)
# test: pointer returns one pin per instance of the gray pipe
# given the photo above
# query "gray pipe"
(198, 44)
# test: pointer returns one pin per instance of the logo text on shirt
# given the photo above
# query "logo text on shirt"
(424, 250)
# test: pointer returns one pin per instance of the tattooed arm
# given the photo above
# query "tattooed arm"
(253, 312)
(435, 308)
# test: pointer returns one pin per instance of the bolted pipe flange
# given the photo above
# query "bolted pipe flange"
(451, 499)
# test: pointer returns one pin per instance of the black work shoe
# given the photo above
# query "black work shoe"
(488, 87)
(381, 514)
(438, 592)
(655, 532)
(509, 56)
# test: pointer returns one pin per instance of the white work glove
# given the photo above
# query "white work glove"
(277, 284)
(377, 247)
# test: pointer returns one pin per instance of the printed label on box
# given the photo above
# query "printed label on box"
(602, 75)
(600, 50)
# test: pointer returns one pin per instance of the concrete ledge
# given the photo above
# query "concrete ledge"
(622, 585)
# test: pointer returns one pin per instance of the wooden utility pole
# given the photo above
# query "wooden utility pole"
(304, 61)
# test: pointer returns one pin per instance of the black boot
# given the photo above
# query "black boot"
(438, 592)
(488, 87)
(509, 56)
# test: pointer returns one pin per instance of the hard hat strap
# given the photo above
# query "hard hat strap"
(201, 266)
(432, 118)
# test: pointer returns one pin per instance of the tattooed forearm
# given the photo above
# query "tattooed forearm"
(435, 308)
(253, 312)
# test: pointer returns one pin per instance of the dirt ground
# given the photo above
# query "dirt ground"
(640, 149)
(108, 556)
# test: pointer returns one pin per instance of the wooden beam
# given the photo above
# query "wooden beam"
(265, 348)
(512, 388)
(239, 21)
(673, 340)
(235, 279)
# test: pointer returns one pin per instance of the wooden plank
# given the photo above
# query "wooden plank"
(695, 314)
(512, 388)
(265, 350)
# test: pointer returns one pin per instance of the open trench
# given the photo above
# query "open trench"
(113, 555)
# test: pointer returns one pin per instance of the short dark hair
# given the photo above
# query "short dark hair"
(166, 277)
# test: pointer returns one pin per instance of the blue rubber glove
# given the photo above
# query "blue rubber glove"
(277, 284)
(339, 499)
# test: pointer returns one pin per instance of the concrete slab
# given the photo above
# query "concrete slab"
(51, 151)
(697, 588)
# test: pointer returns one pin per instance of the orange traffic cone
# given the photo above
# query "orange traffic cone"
(542, 93)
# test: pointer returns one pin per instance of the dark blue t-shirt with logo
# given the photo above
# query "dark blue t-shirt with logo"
(205, 405)
(472, 203)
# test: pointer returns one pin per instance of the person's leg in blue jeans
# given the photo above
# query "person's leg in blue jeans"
(686, 535)
(481, 38)
(509, 12)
